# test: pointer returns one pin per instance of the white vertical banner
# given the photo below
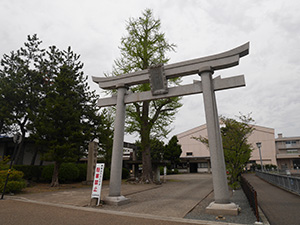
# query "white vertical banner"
(97, 184)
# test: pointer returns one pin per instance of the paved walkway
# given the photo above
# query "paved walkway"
(182, 196)
(280, 207)
(14, 212)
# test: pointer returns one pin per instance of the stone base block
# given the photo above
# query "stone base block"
(222, 209)
(116, 200)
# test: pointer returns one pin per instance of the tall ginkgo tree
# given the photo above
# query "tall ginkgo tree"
(145, 45)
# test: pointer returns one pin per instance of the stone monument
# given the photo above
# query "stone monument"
(92, 161)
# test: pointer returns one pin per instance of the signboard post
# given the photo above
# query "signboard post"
(97, 184)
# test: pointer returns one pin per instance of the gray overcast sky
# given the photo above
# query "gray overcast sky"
(199, 28)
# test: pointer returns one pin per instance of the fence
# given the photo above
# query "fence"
(251, 196)
(289, 183)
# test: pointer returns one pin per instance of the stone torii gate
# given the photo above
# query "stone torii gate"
(157, 76)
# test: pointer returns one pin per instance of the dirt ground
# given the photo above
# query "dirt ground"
(45, 187)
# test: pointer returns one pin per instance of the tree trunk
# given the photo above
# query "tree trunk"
(20, 153)
(147, 165)
(145, 142)
(34, 156)
(1, 125)
(21, 148)
(55, 182)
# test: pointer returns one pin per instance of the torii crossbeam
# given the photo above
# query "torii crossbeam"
(157, 76)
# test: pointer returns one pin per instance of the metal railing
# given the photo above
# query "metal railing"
(251, 196)
(289, 183)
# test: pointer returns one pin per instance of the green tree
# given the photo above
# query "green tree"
(64, 119)
(145, 46)
(105, 135)
(173, 151)
(44, 95)
(157, 149)
(20, 88)
(237, 150)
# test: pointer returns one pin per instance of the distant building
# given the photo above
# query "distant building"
(195, 156)
(29, 156)
(288, 152)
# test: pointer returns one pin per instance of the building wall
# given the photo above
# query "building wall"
(7, 147)
(193, 149)
(288, 152)
(190, 145)
(267, 138)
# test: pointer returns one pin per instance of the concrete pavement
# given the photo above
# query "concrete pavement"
(171, 201)
(28, 213)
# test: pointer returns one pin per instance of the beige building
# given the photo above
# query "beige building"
(288, 153)
(195, 156)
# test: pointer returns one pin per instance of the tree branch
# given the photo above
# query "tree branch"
(159, 110)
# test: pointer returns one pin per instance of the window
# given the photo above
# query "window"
(202, 165)
(189, 154)
(289, 144)
(292, 151)
(296, 164)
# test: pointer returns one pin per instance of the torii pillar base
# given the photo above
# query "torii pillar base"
(116, 200)
(222, 209)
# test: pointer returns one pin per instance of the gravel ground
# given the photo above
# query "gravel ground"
(246, 216)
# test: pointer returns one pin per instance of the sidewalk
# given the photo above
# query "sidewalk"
(182, 197)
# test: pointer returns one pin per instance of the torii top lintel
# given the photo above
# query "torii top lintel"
(216, 62)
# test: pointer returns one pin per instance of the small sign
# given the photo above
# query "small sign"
(97, 183)
(158, 80)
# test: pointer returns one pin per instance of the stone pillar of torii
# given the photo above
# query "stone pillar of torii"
(157, 76)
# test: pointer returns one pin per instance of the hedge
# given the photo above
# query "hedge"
(30, 172)
(82, 168)
(68, 172)
(106, 174)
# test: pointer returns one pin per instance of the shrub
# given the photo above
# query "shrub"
(13, 186)
(270, 167)
(4, 163)
(30, 172)
(15, 182)
(82, 172)
(125, 173)
(68, 172)
(235, 185)
(14, 175)
(47, 173)
(106, 174)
